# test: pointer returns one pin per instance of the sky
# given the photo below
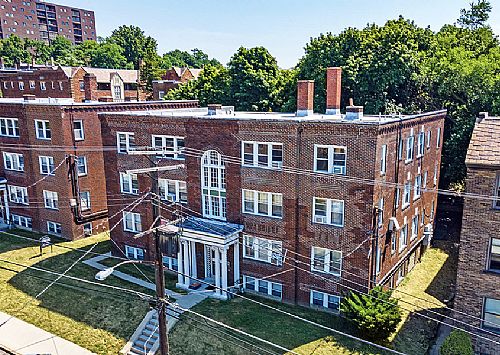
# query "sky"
(284, 27)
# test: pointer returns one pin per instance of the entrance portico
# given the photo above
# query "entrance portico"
(4, 203)
(218, 244)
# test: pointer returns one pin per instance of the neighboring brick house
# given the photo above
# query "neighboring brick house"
(478, 277)
(266, 190)
(78, 83)
(44, 21)
(172, 79)
(36, 135)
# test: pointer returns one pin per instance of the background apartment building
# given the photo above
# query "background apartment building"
(36, 136)
(45, 21)
(478, 276)
(282, 203)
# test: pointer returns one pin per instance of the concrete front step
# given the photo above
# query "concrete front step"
(139, 350)
(147, 339)
(148, 335)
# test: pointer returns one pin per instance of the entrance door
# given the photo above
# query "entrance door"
(210, 262)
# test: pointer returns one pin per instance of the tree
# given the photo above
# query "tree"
(110, 55)
(63, 52)
(375, 314)
(38, 50)
(476, 16)
(86, 52)
(13, 51)
(457, 343)
(196, 59)
(136, 45)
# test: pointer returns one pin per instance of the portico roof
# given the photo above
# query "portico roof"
(209, 231)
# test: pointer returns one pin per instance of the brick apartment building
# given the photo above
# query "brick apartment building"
(78, 83)
(172, 79)
(478, 276)
(45, 21)
(263, 191)
(36, 135)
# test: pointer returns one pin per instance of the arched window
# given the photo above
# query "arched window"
(213, 185)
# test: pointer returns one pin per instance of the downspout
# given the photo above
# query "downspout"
(297, 210)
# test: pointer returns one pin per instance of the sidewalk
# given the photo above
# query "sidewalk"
(28, 339)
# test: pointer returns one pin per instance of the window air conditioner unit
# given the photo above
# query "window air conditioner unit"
(320, 219)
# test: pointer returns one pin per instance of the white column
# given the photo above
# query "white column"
(224, 271)
(186, 264)
(6, 204)
(194, 271)
(236, 266)
(180, 265)
(217, 271)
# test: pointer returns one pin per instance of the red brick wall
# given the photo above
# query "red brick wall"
(51, 77)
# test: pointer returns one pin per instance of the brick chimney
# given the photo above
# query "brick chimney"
(353, 112)
(333, 90)
(90, 85)
(305, 98)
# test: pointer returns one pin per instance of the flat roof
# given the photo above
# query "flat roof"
(228, 113)
(72, 102)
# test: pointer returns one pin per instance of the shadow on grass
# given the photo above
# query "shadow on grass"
(442, 286)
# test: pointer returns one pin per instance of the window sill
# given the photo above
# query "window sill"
(492, 272)
(328, 224)
(404, 207)
(248, 258)
(408, 161)
(262, 167)
(329, 173)
(44, 139)
(326, 273)
(261, 215)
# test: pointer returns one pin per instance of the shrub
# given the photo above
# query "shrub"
(457, 343)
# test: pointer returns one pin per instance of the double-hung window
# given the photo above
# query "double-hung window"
(380, 215)
(421, 143)
(213, 184)
(496, 202)
(51, 199)
(54, 228)
(129, 183)
(400, 148)
(494, 258)
(328, 211)
(125, 142)
(330, 159)
(82, 165)
(171, 147)
(326, 260)
(403, 238)
(265, 287)
(43, 86)
(132, 222)
(266, 250)
(324, 300)
(438, 138)
(414, 227)
(263, 203)
(78, 130)
(18, 194)
(429, 136)
(406, 195)
(173, 190)
(85, 200)
(383, 160)
(21, 85)
(9, 127)
(46, 165)
(491, 314)
(43, 130)
(260, 154)
(22, 222)
(32, 84)
(397, 197)
(134, 252)
(417, 188)
(13, 161)
(410, 146)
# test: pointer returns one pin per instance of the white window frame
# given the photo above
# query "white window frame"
(21, 85)
(54, 228)
(438, 138)
(46, 161)
(128, 146)
(213, 185)
(318, 219)
(256, 282)
(128, 179)
(22, 221)
(32, 84)
(486, 316)
(180, 189)
(15, 160)
(383, 160)
(494, 249)
(20, 193)
(42, 129)
(406, 195)
(496, 201)
(170, 152)
(79, 133)
(421, 144)
(132, 222)
(429, 137)
(83, 159)
(414, 226)
(332, 168)
(85, 202)
(51, 199)
(265, 250)
(325, 297)
(403, 237)
(270, 197)
(417, 187)
(87, 229)
(9, 127)
(410, 147)
(380, 216)
(327, 269)
(270, 146)
(134, 253)
(43, 86)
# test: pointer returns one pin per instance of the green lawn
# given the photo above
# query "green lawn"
(93, 317)
(192, 337)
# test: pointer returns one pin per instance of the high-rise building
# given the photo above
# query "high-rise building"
(45, 21)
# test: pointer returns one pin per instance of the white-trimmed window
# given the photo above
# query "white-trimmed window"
(173, 190)
(496, 202)
(262, 154)
(51, 199)
(87, 229)
(410, 146)
(13, 161)
(132, 222)
(403, 237)
(417, 187)
(400, 148)
(266, 250)
(54, 228)
(325, 300)
(134, 253)
(22, 222)
(328, 211)
(32, 84)
(21, 85)
(129, 183)
(43, 86)
(383, 160)
(429, 135)
(494, 257)
(213, 184)
(263, 203)
(171, 146)
(397, 197)
(330, 159)
(414, 227)
(380, 215)
(9, 127)
(82, 85)
(491, 314)
(18, 194)
(85, 200)
(78, 130)
(82, 165)
(326, 260)
(406, 195)
(394, 241)
(424, 183)
(125, 141)
(421, 143)
(438, 138)
(42, 129)
(435, 178)
(265, 287)
(46, 165)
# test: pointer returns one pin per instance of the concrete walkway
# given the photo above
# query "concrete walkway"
(27, 339)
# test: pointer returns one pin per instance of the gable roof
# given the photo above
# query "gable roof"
(104, 75)
(484, 147)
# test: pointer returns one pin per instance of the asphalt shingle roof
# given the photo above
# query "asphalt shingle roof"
(484, 147)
